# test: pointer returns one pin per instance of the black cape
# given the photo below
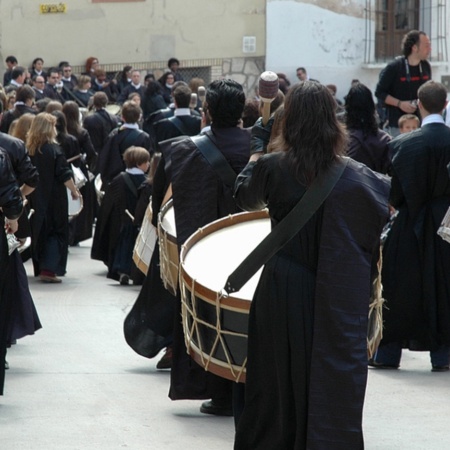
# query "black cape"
(307, 351)
(416, 279)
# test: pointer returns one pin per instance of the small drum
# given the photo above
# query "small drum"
(98, 189)
(113, 109)
(75, 206)
(444, 229)
(145, 242)
(168, 247)
(216, 324)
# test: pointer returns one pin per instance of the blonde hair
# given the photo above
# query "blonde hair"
(42, 131)
(21, 126)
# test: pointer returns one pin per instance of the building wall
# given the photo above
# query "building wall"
(325, 36)
(137, 32)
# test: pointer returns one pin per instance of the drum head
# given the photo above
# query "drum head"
(75, 206)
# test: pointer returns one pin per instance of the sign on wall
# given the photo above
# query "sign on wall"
(49, 8)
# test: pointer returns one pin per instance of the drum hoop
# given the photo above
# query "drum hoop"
(72, 216)
(208, 295)
(224, 369)
(161, 214)
(217, 367)
(231, 301)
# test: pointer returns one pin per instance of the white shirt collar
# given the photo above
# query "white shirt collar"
(182, 112)
(15, 83)
(135, 171)
(132, 126)
(136, 86)
(433, 118)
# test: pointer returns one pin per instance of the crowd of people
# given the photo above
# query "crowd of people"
(307, 346)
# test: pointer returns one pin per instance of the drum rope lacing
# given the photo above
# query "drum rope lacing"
(166, 264)
(194, 328)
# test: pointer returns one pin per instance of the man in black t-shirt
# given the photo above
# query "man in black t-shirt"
(400, 79)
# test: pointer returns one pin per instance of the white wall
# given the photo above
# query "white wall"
(326, 37)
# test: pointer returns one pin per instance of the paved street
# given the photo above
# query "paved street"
(77, 385)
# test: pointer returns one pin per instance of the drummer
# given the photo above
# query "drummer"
(307, 350)
(201, 196)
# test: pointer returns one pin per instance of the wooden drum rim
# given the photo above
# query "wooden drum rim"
(208, 295)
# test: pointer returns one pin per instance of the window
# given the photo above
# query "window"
(387, 21)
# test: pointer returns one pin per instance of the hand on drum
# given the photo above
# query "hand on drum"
(75, 194)
(11, 226)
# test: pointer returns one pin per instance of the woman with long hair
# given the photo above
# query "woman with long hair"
(20, 127)
(50, 222)
(367, 143)
(81, 226)
(153, 99)
(307, 355)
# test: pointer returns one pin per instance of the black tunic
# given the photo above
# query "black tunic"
(416, 279)
(115, 232)
(199, 197)
(50, 222)
(307, 355)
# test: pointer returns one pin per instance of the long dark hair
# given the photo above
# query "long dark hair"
(72, 113)
(360, 110)
(310, 135)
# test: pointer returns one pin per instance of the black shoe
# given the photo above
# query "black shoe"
(217, 407)
(166, 361)
(377, 365)
(124, 279)
(440, 369)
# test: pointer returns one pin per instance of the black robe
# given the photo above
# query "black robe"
(177, 126)
(81, 225)
(115, 232)
(50, 222)
(110, 162)
(416, 261)
(11, 207)
(200, 197)
(307, 351)
(99, 125)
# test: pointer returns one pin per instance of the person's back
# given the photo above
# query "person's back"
(414, 256)
(110, 161)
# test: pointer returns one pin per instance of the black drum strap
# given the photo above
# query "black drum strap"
(215, 158)
(319, 190)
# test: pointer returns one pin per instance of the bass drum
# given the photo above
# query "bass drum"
(216, 324)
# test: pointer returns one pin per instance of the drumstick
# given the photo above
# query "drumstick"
(74, 158)
(201, 92)
(129, 215)
(268, 90)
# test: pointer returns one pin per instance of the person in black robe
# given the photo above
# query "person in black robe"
(152, 100)
(307, 347)
(50, 222)
(100, 123)
(183, 122)
(416, 280)
(135, 87)
(167, 83)
(11, 207)
(367, 143)
(24, 319)
(115, 232)
(110, 160)
(200, 196)
(24, 100)
(80, 228)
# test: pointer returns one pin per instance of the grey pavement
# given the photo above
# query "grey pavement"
(76, 384)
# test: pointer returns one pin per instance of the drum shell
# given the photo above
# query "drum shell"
(215, 325)
(145, 242)
(168, 248)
